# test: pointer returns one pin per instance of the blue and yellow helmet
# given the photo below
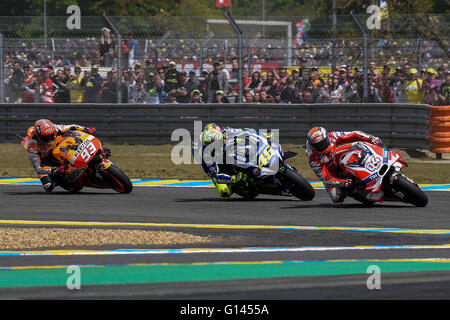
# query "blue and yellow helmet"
(211, 133)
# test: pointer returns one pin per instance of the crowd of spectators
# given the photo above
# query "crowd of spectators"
(70, 73)
(103, 51)
(152, 84)
(35, 75)
(404, 84)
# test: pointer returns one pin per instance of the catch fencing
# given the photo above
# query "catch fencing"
(399, 125)
(420, 39)
(196, 42)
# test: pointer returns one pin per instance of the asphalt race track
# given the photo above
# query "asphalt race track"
(269, 248)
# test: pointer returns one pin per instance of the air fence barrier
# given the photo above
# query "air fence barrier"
(440, 130)
(399, 125)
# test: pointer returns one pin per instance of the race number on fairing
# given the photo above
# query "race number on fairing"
(86, 149)
(88, 152)
(373, 163)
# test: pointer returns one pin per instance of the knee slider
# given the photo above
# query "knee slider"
(47, 183)
(223, 190)
(225, 195)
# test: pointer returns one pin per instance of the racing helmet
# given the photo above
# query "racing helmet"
(319, 140)
(211, 133)
(45, 130)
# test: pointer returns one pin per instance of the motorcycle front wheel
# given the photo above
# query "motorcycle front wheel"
(299, 186)
(117, 179)
(411, 191)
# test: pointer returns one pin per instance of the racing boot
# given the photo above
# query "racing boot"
(47, 183)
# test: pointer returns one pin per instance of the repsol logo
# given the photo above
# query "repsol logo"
(82, 146)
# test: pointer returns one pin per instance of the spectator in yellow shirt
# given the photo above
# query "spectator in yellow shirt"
(413, 88)
(76, 91)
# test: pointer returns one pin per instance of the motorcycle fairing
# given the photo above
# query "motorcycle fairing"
(266, 155)
(369, 163)
(76, 149)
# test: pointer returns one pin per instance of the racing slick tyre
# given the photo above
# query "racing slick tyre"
(117, 179)
(73, 189)
(358, 196)
(63, 183)
(247, 195)
(411, 191)
(299, 187)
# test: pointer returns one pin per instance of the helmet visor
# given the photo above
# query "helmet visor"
(322, 145)
(46, 138)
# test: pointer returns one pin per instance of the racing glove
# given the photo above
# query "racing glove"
(346, 184)
(58, 170)
(90, 130)
(375, 140)
(239, 177)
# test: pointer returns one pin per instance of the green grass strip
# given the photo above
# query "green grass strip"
(128, 274)
(143, 161)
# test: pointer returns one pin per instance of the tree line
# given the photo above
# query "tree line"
(208, 8)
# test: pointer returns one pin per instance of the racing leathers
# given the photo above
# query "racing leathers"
(326, 166)
(237, 147)
(40, 154)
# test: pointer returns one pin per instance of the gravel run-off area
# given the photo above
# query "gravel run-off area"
(31, 238)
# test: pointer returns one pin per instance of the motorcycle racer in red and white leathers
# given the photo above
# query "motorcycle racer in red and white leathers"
(323, 159)
(39, 145)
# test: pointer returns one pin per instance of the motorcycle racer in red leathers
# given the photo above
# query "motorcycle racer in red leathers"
(323, 159)
(39, 145)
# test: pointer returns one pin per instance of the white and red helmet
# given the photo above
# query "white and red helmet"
(319, 140)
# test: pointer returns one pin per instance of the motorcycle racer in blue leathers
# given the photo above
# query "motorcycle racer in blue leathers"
(224, 141)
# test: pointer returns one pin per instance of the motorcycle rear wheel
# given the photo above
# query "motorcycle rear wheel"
(412, 193)
(299, 186)
(117, 179)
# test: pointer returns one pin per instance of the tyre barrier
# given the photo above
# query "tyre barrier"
(439, 130)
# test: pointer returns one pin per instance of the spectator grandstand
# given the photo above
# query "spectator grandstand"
(82, 67)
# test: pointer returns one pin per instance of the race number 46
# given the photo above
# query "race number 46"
(265, 157)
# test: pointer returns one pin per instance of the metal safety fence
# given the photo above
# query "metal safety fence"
(196, 42)
(411, 37)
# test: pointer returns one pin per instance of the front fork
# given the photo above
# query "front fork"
(393, 176)
(105, 163)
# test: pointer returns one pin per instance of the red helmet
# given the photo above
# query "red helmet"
(45, 130)
(319, 140)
